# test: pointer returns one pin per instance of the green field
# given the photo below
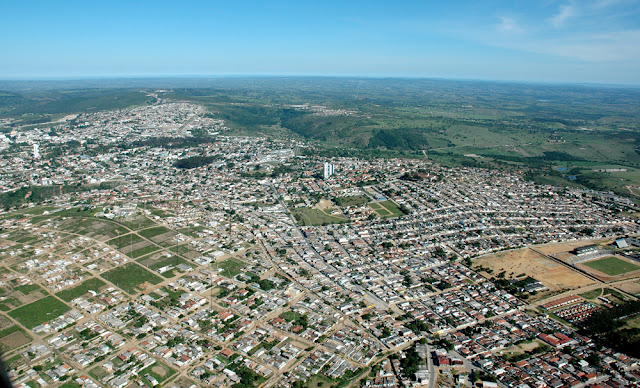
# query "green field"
(126, 240)
(592, 294)
(13, 338)
(386, 209)
(130, 276)
(159, 262)
(152, 232)
(612, 266)
(231, 267)
(311, 216)
(143, 251)
(72, 293)
(38, 312)
(353, 200)
(159, 371)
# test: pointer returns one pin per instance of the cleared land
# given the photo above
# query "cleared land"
(386, 209)
(12, 338)
(36, 313)
(156, 262)
(352, 200)
(231, 267)
(92, 284)
(612, 266)
(552, 249)
(525, 261)
(130, 277)
(309, 216)
(630, 287)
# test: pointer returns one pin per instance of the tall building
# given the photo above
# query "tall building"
(36, 151)
(327, 170)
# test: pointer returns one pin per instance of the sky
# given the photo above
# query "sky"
(565, 41)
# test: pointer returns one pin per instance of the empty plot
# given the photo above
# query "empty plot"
(93, 284)
(12, 338)
(310, 216)
(130, 277)
(553, 275)
(95, 228)
(152, 232)
(126, 240)
(38, 312)
(159, 261)
(231, 267)
(352, 200)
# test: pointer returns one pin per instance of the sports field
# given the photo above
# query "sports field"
(612, 266)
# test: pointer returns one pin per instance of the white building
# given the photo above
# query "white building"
(327, 170)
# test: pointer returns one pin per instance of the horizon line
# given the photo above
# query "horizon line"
(373, 77)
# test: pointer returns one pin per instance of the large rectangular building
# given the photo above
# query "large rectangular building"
(327, 170)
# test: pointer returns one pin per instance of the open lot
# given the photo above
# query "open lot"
(525, 261)
(95, 228)
(231, 267)
(632, 287)
(352, 200)
(38, 312)
(93, 284)
(131, 277)
(12, 338)
(386, 209)
(155, 262)
(551, 249)
(310, 216)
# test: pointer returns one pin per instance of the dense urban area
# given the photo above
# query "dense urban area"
(148, 246)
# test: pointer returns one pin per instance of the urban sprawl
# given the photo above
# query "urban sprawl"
(264, 264)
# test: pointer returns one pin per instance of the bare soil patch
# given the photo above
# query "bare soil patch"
(324, 204)
(630, 287)
(163, 237)
(15, 340)
(159, 371)
(525, 261)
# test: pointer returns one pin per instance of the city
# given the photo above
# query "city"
(146, 246)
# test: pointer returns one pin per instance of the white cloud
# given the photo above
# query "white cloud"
(610, 3)
(509, 25)
(566, 12)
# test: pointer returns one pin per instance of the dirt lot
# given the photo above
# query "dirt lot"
(568, 246)
(630, 287)
(164, 237)
(14, 340)
(524, 261)
(524, 347)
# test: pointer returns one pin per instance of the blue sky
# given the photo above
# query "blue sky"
(541, 40)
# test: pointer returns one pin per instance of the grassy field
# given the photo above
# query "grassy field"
(13, 337)
(386, 209)
(592, 294)
(126, 240)
(311, 216)
(159, 371)
(352, 200)
(612, 266)
(231, 267)
(130, 277)
(155, 263)
(137, 222)
(38, 312)
(152, 232)
(143, 251)
(72, 293)
(94, 227)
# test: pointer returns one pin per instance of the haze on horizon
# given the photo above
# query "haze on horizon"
(591, 41)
